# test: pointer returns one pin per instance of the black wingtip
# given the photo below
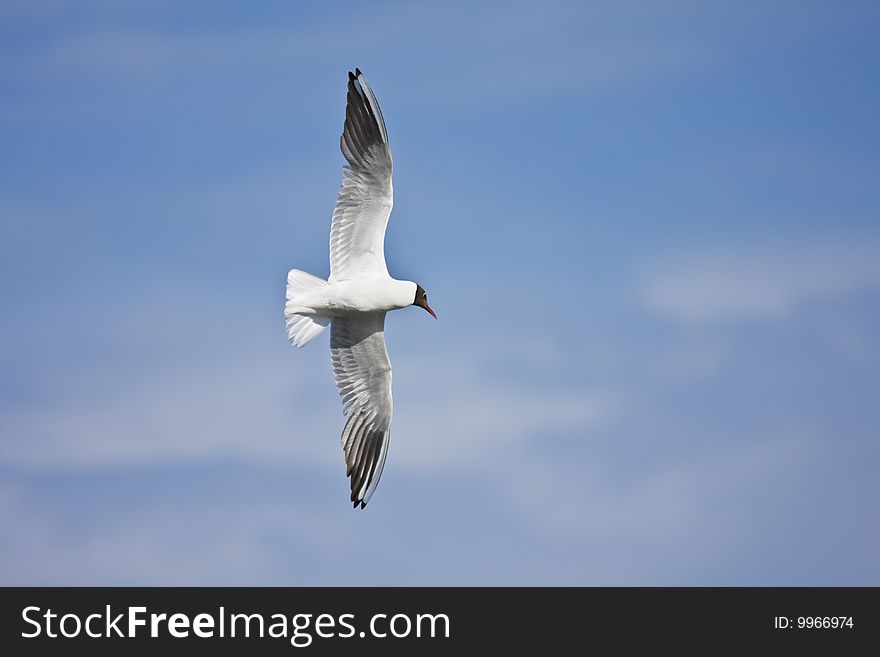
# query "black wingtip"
(351, 76)
(357, 72)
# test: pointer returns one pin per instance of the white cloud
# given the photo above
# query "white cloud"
(757, 282)
(523, 51)
(199, 398)
(245, 411)
(267, 409)
(232, 541)
(463, 418)
(648, 523)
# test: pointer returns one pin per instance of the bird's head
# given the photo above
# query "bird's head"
(421, 300)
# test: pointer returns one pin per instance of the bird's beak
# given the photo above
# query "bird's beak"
(428, 308)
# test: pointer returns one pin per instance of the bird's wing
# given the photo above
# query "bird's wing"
(363, 376)
(357, 234)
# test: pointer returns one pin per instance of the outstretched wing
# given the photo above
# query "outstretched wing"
(363, 376)
(357, 234)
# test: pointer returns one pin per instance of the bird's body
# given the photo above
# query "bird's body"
(356, 295)
(359, 292)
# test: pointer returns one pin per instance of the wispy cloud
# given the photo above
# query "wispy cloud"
(164, 166)
(269, 409)
(462, 417)
(236, 543)
(640, 529)
(757, 282)
(525, 52)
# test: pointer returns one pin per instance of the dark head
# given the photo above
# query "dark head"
(421, 300)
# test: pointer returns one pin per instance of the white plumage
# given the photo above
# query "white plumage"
(359, 293)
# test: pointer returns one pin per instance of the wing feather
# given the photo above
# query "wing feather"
(357, 232)
(363, 377)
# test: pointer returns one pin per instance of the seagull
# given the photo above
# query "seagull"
(359, 292)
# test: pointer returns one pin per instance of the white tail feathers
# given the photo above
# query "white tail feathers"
(302, 328)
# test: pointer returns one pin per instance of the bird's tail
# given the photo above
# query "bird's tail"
(302, 328)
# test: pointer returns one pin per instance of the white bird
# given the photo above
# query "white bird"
(359, 293)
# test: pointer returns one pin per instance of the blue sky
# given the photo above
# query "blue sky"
(650, 232)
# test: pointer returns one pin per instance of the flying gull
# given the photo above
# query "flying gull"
(359, 293)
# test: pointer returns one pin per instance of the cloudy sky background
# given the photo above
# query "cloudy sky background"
(651, 233)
